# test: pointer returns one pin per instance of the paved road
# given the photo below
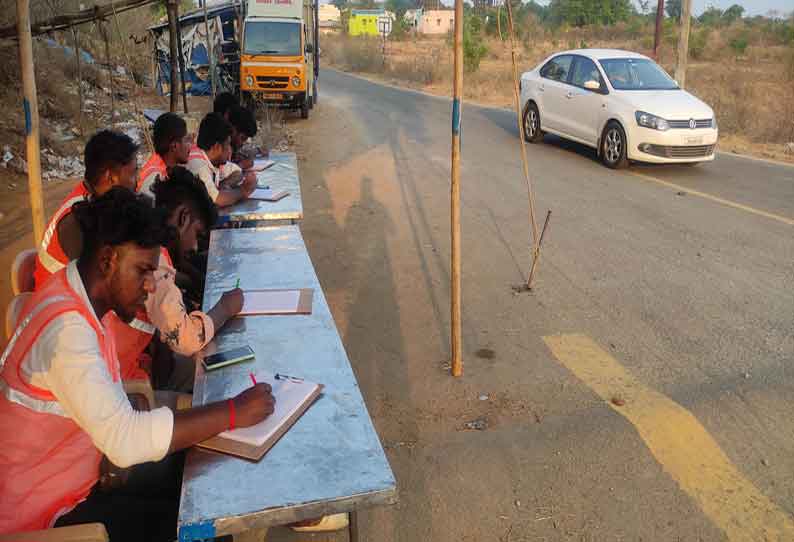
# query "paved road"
(643, 391)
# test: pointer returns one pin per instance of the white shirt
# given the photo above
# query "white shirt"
(201, 167)
(67, 361)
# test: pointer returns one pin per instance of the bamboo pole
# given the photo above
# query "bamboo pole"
(31, 108)
(457, 343)
(76, 42)
(104, 31)
(210, 49)
(68, 20)
(683, 43)
(170, 7)
(657, 37)
(517, 100)
(181, 58)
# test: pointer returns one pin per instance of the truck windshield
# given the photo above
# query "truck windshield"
(272, 38)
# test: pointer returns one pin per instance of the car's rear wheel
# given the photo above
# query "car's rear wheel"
(532, 131)
(613, 146)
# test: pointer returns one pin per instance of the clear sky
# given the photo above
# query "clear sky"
(752, 7)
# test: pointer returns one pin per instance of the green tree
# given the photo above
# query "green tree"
(587, 12)
(673, 9)
(711, 17)
(474, 49)
(733, 13)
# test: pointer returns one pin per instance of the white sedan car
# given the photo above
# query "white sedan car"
(620, 103)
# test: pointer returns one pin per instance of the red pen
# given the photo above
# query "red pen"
(253, 378)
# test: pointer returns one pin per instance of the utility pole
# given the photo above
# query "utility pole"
(31, 107)
(657, 39)
(683, 43)
(457, 91)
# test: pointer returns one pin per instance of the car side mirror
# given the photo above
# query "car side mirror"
(309, 48)
(592, 85)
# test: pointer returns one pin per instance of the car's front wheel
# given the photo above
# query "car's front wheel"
(614, 146)
(532, 131)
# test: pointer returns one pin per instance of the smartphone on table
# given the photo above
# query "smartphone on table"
(229, 357)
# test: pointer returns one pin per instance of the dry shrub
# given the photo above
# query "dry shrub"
(422, 70)
(55, 101)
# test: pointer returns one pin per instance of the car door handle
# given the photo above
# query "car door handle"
(541, 88)
(569, 95)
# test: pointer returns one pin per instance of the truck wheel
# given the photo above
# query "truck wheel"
(305, 109)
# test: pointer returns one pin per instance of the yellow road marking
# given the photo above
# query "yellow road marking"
(723, 201)
(679, 443)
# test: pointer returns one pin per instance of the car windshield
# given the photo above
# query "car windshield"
(637, 74)
(272, 38)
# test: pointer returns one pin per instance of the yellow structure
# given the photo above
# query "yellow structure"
(364, 22)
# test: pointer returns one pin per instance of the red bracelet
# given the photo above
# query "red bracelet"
(231, 414)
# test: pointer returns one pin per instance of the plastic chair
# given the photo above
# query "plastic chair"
(22, 272)
(90, 532)
(13, 311)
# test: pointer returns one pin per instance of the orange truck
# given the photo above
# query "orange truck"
(279, 54)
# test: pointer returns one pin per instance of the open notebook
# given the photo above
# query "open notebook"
(266, 194)
(293, 397)
(277, 302)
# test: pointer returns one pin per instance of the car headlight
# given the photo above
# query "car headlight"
(249, 81)
(714, 122)
(296, 81)
(646, 120)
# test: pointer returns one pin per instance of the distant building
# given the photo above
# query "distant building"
(481, 5)
(329, 13)
(435, 22)
(364, 22)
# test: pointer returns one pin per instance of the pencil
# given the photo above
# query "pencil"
(237, 284)
(253, 378)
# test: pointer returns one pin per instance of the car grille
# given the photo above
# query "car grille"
(694, 151)
(272, 82)
(684, 124)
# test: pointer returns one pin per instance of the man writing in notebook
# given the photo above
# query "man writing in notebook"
(190, 213)
(172, 146)
(212, 150)
(62, 404)
(110, 160)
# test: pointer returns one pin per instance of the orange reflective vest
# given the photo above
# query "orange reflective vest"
(48, 464)
(132, 338)
(51, 257)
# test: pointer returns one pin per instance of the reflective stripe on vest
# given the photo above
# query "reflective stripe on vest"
(142, 326)
(47, 260)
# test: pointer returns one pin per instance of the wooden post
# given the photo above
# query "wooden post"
(31, 110)
(180, 52)
(457, 343)
(683, 43)
(657, 38)
(210, 49)
(170, 7)
(104, 31)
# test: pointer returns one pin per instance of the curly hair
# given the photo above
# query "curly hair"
(105, 150)
(118, 217)
(184, 187)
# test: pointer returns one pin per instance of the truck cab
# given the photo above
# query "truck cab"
(278, 57)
